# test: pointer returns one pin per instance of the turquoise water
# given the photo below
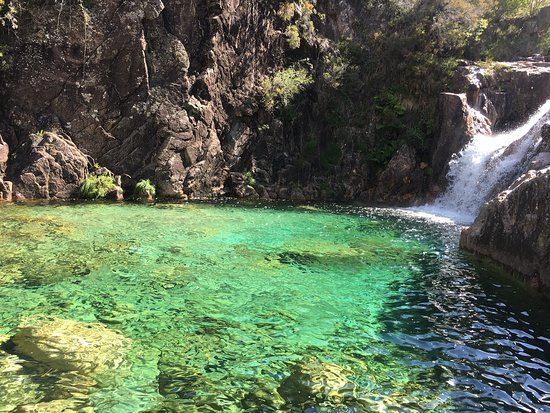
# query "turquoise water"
(230, 308)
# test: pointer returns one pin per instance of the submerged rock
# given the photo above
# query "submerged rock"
(67, 345)
(513, 229)
(314, 382)
(54, 406)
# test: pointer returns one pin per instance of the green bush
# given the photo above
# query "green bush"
(293, 36)
(145, 189)
(94, 187)
(297, 15)
(284, 85)
(249, 177)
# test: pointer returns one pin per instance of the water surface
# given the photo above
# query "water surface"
(269, 309)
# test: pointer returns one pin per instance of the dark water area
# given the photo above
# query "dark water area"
(234, 308)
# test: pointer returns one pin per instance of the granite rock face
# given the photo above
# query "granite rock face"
(165, 90)
(513, 229)
(50, 166)
(485, 100)
(401, 181)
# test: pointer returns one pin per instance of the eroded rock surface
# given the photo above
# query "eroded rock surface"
(50, 166)
(401, 181)
(165, 90)
(486, 100)
(513, 229)
(71, 357)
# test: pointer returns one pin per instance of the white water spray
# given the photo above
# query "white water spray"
(487, 164)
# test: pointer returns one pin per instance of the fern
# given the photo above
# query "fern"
(144, 188)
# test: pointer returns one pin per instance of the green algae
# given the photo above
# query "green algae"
(222, 304)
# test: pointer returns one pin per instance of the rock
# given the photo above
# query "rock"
(485, 100)
(156, 88)
(540, 161)
(513, 229)
(4, 155)
(6, 191)
(454, 130)
(55, 406)
(401, 181)
(67, 345)
(317, 383)
(296, 195)
(544, 145)
(49, 166)
(16, 388)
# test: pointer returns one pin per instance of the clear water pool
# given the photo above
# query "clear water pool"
(269, 309)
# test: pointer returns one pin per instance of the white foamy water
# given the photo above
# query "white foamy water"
(485, 164)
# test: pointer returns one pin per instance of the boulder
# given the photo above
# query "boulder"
(401, 181)
(55, 406)
(67, 345)
(454, 130)
(6, 191)
(4, 154)
(513, 229)
(49, 165)
(319, 383)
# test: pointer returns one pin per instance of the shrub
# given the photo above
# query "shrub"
(249, 177)
(293, 36)
(94, 187)
(145, 189)
(284, 85)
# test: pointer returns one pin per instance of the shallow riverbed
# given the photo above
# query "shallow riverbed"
(260, 309)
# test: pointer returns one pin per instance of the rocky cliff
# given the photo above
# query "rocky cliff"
(151, 89)
(173, 91)
(485, 100)
(513, 228)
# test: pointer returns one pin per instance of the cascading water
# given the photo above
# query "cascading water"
(487, 164)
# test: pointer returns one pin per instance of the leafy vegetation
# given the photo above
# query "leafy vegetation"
(145, 189)
(385, 78)
(284, 85)
(95, 187)
(298, 17)
(249, 177)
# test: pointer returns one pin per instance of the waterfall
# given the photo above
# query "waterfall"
(488, 164)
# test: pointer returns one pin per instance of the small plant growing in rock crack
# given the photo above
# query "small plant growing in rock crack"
(249, 178)
(40, 134)
(95, 187)
(145, 189)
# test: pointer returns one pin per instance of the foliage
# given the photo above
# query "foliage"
(335, 67)
(284, 85)
(293, 36)
(8, 13)
(94, 187)
(249, 177)
(298, 17)
(145, 189)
